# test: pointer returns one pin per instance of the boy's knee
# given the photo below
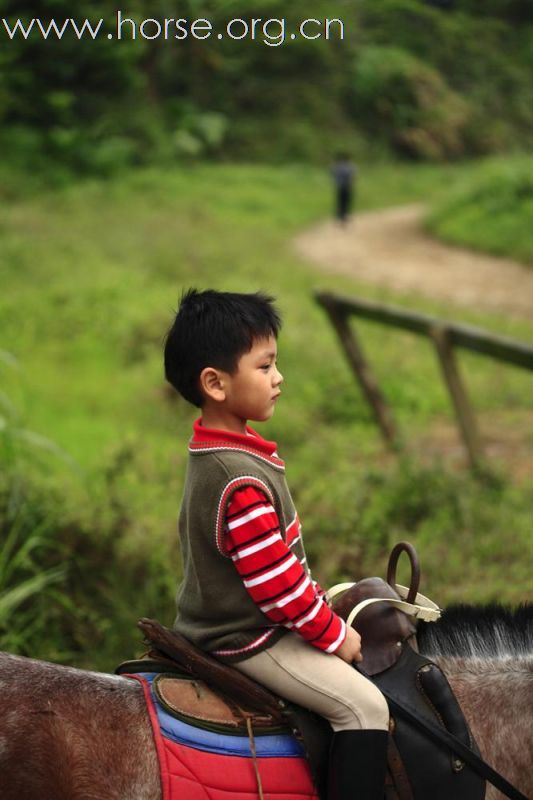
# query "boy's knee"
(376, 710)
(369, 712)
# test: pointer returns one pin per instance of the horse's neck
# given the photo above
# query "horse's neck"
(496, 696)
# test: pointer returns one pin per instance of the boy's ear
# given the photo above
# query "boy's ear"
(212, 384)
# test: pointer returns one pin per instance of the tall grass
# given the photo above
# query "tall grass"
(60, 553)
(25, 536)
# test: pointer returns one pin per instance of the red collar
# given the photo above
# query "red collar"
(251, 442)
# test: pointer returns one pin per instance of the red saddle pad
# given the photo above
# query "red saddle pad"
(199, 764)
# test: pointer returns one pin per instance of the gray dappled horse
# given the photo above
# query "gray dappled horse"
(67, 734)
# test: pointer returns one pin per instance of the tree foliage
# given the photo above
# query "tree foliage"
(424, 79)
(405, 101)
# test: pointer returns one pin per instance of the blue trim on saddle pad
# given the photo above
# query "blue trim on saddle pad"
(277, 745)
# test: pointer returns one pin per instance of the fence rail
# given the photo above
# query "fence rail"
(445, 336)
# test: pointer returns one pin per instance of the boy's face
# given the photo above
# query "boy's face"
(251, 392)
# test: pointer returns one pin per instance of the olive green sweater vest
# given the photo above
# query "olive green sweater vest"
(214, 609)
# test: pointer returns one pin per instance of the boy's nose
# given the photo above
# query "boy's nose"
(278, 377)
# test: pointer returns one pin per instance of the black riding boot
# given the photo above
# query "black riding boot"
(357, 765)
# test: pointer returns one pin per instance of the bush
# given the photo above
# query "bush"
(407, 103)
(484, 59)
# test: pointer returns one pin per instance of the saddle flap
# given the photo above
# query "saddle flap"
(382, 627)
(196, 702)
(193, 699)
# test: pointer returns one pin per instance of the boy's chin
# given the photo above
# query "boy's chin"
(264, 417)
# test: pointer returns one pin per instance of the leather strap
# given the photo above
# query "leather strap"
(338, 589)
(422, 608)
(412, 609)
(444, 737)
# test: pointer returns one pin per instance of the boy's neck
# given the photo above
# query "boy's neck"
(216, 420)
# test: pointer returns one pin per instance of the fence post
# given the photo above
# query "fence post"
(463, 411)
(445, 336)
(364, 375)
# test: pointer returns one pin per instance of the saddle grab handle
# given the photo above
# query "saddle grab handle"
(411, 602)
(397, 550)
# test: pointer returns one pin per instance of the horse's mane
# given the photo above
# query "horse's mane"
(479, 632)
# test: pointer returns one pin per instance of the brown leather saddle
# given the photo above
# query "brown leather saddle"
(431, 749)
(197, 689)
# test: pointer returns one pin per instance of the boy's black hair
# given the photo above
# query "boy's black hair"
(214, 329)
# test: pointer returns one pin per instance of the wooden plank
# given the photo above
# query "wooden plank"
(365, 377)
(380, 312)
(467, 336)
(463, 410)
(501, 348)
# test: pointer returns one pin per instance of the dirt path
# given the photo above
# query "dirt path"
(390, 248)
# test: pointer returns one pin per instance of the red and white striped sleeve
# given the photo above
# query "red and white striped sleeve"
(272, 574)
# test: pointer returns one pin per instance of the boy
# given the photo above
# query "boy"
(247, 595)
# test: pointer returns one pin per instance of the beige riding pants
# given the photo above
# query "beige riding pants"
(319, 681)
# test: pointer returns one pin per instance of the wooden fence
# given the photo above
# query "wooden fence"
(446, 336)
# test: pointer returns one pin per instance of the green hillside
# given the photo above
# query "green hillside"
(93, 443)
(491, 211)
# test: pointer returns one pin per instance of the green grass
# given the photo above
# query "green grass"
(492, 211)
(92, 273)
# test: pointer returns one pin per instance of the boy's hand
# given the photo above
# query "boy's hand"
(350, 649)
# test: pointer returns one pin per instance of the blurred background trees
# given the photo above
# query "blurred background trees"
(423, 80)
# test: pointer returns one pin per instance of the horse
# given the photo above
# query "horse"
(68, 734)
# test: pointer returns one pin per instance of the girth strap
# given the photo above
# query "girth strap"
(444, 737)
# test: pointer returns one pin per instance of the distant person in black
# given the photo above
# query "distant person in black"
(343, 173)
